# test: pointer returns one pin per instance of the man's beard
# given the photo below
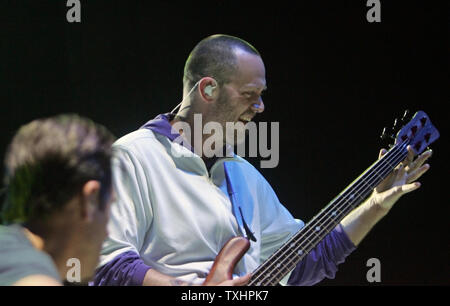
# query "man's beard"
(225, 113)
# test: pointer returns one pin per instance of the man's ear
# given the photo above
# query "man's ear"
(90, 195)
(207, 88)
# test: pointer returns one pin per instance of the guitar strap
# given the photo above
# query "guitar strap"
(235, 205)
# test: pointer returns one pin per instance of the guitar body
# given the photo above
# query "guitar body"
(227, 259)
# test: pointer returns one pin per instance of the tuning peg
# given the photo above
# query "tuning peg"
(394, 129)
(406, 116)
(395, 126)
(385, 135)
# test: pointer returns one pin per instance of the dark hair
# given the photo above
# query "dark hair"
(215, 57)
(48, 162)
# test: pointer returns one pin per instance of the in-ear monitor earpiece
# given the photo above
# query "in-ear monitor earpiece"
(209, 89)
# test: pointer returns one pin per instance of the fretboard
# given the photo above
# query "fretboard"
(284, 260)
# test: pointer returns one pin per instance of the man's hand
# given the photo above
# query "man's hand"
(401, 181)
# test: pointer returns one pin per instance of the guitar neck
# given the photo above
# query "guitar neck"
(284, 260)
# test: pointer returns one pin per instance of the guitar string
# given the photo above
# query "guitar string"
(324, 214)
(401, 147)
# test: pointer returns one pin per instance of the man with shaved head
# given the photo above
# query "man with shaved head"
(181, 196)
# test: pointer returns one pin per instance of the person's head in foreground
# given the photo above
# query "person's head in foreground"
(57, 198)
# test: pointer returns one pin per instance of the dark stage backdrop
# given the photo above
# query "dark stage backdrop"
(335, 80)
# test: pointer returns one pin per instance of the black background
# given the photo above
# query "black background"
(335, 80)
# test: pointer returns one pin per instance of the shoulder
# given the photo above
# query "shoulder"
(135, 139)
(19, 259)
(139, 145)
(244, 168)
(241, 164)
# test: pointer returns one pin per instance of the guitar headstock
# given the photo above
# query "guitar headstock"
(419, 133)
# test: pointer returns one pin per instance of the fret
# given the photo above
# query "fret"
(351, 197)
(367, 185)
(314, 232)
(282, 268)
(378, 175)
(388, 163)
(277, 275)
(275, 278)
